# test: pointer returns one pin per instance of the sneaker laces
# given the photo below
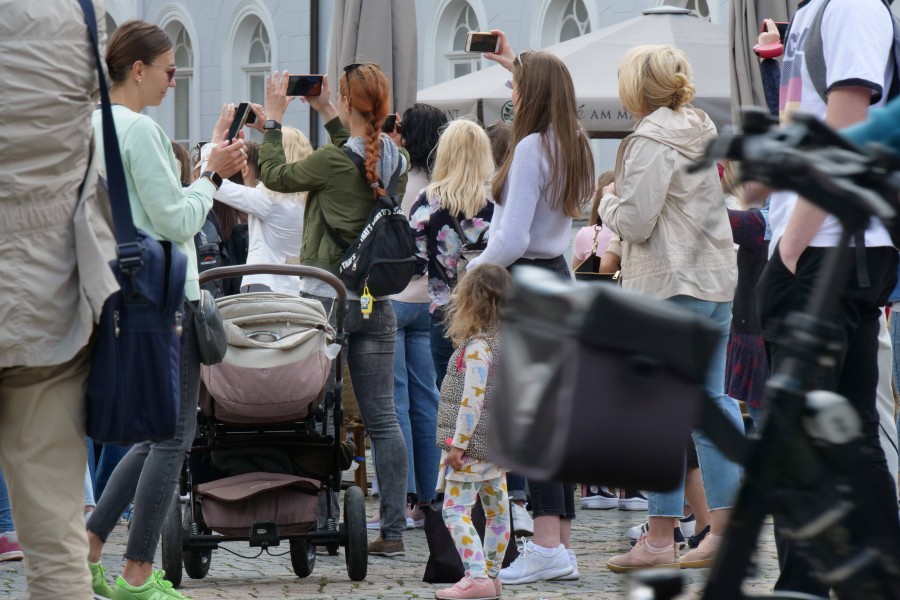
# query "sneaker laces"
(159, 578)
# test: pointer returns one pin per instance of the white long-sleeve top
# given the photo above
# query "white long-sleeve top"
(275, 227)
(526, 225)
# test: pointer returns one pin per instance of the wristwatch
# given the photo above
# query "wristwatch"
(272, 124)
(214, 177)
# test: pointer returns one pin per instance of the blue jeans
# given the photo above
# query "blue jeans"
(721, 477)
(149, 472)
(110, 455)
(416, 397)
(441, 348)
(6, 522)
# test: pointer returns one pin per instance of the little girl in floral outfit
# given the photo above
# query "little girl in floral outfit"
(466, 395)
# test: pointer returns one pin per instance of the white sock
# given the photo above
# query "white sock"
(655, 550)
(547, 551)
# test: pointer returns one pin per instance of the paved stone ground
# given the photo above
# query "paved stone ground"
(596, 535)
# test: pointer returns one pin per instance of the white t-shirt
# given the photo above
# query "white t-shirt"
(857, 36)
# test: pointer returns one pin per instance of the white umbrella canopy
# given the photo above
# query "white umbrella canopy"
(593, 60)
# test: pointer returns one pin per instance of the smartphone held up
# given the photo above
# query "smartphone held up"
(243, 114)
(304, 85)
(482, 41)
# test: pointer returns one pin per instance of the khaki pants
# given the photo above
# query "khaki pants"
(43, 455)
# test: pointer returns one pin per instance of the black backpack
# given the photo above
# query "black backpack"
(382, 258)
(208, 242)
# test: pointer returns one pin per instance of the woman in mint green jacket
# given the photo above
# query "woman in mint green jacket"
(140, 61)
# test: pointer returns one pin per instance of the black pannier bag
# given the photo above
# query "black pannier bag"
(597, 383)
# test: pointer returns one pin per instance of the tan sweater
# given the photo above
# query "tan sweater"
(671, 226)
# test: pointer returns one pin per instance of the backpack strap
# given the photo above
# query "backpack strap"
(815, 54)
(361, 166)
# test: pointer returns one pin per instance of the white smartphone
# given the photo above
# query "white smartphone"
(482, 41)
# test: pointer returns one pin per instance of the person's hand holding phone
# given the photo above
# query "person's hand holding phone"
(227, 158)
(505, 54)
(770, 35)
(220, 130)
(322, 103)
(277, 99)
(260, 121)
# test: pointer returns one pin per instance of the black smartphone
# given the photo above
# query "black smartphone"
(304, 85)
(240, 118)
(479, 41)
(390, 123)
(782, 29)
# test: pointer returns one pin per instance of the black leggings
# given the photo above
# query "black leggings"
(551, 498)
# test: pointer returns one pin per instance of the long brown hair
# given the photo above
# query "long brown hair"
(477, 301)
(134, 41)
(367, 90)
(547, 101)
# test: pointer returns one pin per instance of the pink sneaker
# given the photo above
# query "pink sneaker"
(468, 588)
(702, 556)
(641, 558)
(9, 547)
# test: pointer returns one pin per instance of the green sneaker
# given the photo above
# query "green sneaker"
(155, 588)
(98, 580)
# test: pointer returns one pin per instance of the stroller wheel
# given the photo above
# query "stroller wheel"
(172, 543)
(303, 557)
(354, 534)
(196, 562)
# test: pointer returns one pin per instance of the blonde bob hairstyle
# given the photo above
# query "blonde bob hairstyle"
(296, 148)
(463, 165)
(652, 77)
(477, 301)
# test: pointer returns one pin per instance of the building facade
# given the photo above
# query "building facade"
(224, 49)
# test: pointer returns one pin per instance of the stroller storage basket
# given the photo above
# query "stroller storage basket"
(277, 361)
(232, 505)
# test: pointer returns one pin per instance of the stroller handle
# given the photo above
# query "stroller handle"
(261, 269)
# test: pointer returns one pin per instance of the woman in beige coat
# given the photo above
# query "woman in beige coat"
(675, 244)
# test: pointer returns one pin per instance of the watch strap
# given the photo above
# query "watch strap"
(213, 177)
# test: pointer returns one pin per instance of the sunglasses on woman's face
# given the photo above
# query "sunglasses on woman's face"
(169, 69)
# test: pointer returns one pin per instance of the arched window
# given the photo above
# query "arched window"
(575, 21)
(184, 81)
(259, 59)
(461, 62)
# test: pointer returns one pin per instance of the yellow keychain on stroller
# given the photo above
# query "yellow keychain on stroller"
(366, 303)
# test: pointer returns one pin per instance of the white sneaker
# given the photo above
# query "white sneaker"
(634, 533)
(537, 564)
(600, 498)
(632, 500)
(523, 524)
(574, 575)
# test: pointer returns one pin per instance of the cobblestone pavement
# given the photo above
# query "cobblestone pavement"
(596, 535)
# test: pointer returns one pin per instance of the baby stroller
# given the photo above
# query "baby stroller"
(262, 454)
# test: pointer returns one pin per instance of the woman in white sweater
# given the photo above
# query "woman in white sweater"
(544, 181)
(274, 219)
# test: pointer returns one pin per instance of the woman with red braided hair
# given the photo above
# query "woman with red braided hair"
(338, 204)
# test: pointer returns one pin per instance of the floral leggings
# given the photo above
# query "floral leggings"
(459, 498)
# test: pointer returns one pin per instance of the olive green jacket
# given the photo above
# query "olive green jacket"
(338, 194)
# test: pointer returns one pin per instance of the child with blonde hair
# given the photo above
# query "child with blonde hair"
(467, 392)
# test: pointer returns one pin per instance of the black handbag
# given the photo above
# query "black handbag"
(211, 339)
(584, 363)
(589, 268)
(133, 390)
(444, 564)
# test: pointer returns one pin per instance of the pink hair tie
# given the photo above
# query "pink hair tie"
(721, 169)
